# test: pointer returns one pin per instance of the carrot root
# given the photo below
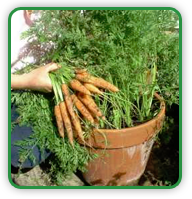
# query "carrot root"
(88, 101)
(82, 109)
(96, 81)
(59, 121)
(76, 85)
(75, 120)
(67, 122)
(92, 88)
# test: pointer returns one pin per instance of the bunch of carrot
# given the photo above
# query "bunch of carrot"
(78, 93)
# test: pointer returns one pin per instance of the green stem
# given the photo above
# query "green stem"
(154, 72)
(54, 87)
(58, 88)
(62, 80)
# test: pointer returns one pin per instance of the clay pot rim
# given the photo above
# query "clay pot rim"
(160, 114)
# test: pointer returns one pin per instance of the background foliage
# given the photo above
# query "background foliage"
(118, 45)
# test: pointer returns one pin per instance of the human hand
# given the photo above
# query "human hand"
(39, 78)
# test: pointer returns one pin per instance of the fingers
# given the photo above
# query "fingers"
(52, 67)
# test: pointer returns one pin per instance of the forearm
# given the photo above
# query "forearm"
(38, 79)
(20, 81)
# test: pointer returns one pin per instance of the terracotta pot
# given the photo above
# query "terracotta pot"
(123, 154)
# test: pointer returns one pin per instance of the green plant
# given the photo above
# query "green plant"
(129, 48)
(120, 46)
(36, 109)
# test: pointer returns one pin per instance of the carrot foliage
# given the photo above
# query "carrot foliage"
(125, 47)
(136, 50)
(36, 109)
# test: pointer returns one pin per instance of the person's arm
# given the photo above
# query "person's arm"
(19, 81)
(38, 79)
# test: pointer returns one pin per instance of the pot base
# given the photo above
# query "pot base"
(118, 167)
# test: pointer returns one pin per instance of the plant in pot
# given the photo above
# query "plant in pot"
(130, 49)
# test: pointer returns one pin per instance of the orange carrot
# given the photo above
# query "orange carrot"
(75, 134)
(76, 85)
(80, 70)
(69, 105)
(84, 77)
(59, 121)
(96, 81)
(82, 109)
(78, 129)
(92, 88)
(67, 122)
(90, 104)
